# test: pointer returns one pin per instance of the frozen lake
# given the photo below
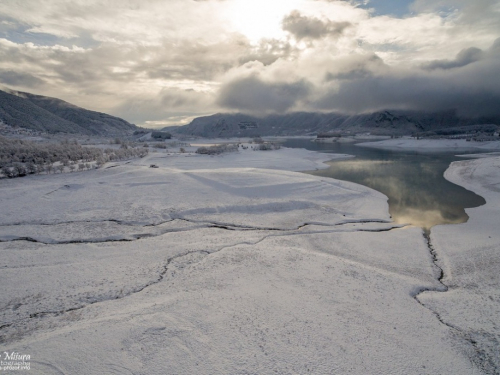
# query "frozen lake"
(418, 193)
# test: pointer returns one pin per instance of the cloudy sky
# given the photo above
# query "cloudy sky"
(163, 62)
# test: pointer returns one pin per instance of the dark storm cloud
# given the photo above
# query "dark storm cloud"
(303, 27)
(412, 93)
(470, 84)
(464, 57)
(473, 90)
(495, 48)
(357, 67)
(254, 95)
(11, 78)
(349, 75)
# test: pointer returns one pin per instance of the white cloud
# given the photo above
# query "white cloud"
(165, 60)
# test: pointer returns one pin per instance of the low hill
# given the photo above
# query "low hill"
(305, 123)
(53, 115)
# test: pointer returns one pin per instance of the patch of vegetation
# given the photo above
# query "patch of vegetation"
(161, 135)
(258, 140)
(159, 145)
(19, 158)
(329, 135)
(268, 146)
(217, 149)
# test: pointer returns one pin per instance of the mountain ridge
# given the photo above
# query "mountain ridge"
(52, 115)
(387, 122)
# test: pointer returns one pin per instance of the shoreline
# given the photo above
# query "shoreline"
(432, 145)
(468, 255)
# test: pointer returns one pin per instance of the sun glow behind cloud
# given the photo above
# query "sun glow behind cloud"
(258, 19)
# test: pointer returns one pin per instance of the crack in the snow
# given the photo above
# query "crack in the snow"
(53, 191)
(228, 226)
(232, 227)
(54, 313)
(383, 229)
(289, 232)
(202, 224)
(119, 222)
(159, 279)
(165, 268)
(131, 238)
(482, 359)
(365, 221)
(180, 218)
(30, 239)
(161, 276)
(118, 165)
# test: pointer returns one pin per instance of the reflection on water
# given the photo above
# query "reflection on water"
(418, 193)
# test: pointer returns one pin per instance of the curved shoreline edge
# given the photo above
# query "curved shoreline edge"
(469, 255)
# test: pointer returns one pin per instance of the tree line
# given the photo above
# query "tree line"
(20, 157)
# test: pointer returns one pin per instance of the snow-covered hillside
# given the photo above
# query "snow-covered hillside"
(51, 115)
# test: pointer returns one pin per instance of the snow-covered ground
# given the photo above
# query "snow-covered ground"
(470, 256)
(284, 159)
(235, 264)
(432, 145)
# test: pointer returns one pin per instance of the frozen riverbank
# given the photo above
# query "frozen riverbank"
(431, 145)
(192, 268)
(469, 254)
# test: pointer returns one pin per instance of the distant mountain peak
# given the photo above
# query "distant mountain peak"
(386, 122)
(20, 94)
(52, 115)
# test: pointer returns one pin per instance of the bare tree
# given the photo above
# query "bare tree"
(31, 167)
(8, 171)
